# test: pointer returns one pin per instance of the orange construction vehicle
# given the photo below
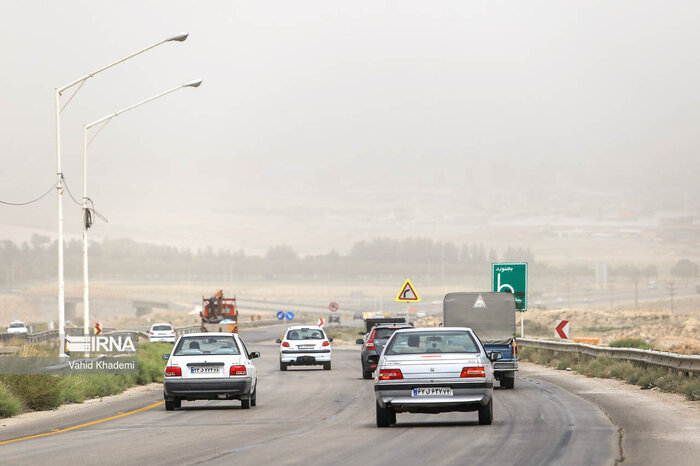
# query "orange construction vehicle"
(219, 314)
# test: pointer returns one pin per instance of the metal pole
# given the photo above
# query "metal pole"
(59, 241)
(86, 293)
(522, 325)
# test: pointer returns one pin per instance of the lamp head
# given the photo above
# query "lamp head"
(179, 38)
(195, 83)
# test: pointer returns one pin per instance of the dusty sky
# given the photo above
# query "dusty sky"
(324, 122)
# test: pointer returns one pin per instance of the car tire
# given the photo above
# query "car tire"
(245, 403)
(366, 374)
(486, 414)
(508, 382)
(177, 403)
(283, 366)
(327, 366)
(169, 405)
(384, 416)
(254, 397)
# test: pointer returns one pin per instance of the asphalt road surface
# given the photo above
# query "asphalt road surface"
(312, 416)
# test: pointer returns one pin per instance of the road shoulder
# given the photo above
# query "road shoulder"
(655, 426)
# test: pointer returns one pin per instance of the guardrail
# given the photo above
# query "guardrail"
(689, 364)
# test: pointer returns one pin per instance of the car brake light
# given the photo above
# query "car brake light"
(151, 333)
(173, 371)
(515, 348)
(469, 372)
(326, 343)
(390, 374)
(285, 344)
(370, 341)
(237, 370)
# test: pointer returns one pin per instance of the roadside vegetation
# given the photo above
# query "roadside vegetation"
(604, 367)
(38, 392)
(340, 333)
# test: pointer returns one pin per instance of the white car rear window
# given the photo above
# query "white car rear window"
(305, 334)
(192, 346)
(432, 342)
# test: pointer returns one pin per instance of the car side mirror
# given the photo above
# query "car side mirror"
(495, 356)
(330, 340)
(278, 341)
(254, 354)
(360, 341)
(360, 333)
(166, 357)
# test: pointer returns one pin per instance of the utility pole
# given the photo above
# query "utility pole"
(671, 290)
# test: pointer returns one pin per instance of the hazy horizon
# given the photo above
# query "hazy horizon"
(323, 123)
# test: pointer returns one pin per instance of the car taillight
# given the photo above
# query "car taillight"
(173, 371)
(390, 374)
(172, 332)
(515, 348)
(326, 343)
(237, 370)
(370, 341)
(469, 372)
(151, 333)
(285, 344)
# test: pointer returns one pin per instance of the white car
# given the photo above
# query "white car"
(161, 333)
(210, 366)
(434, 370)
(17, 327)
(304, 345)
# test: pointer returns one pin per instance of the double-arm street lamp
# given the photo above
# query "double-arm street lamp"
(59, 173)
(104, 121)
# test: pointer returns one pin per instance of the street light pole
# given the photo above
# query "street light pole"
(105, 120)
(59, 174)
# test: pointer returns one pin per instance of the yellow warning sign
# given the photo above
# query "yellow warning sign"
(407, 293)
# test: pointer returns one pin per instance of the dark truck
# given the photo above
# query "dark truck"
(492, 317)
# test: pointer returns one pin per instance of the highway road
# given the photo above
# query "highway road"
(311, 416)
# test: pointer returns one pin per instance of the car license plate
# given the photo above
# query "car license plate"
(305, 346)
(204, 370)
(432, 391)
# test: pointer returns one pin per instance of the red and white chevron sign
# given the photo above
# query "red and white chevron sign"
(562, 329)
(320, 322)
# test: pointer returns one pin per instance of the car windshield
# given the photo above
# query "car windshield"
(17, 325)
(432, 342)
(161, 327)
(305, 334)
(192, 346)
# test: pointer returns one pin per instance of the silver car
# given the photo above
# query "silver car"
(210, 366)
(434, 370)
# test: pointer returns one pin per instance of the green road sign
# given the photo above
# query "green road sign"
(511, 277)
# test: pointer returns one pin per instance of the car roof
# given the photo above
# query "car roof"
(396, 325)
(297, 327)
(437, 329)
(208, 334)
(161, 323)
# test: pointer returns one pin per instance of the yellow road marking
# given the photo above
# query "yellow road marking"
(56, 431)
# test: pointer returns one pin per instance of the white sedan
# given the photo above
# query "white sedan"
(210, 366)
(304, 345)
(17, 327)
(434, 370)
(161, 333)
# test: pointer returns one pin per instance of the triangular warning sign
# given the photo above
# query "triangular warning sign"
(407, 293)
(480, 303)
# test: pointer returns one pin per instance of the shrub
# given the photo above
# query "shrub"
(9, 404)
(630, 343)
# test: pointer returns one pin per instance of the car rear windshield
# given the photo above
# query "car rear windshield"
(384, 332)
(432, 342)
(192, 346)
(305, 334)
(162, 327)
(17, 325)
